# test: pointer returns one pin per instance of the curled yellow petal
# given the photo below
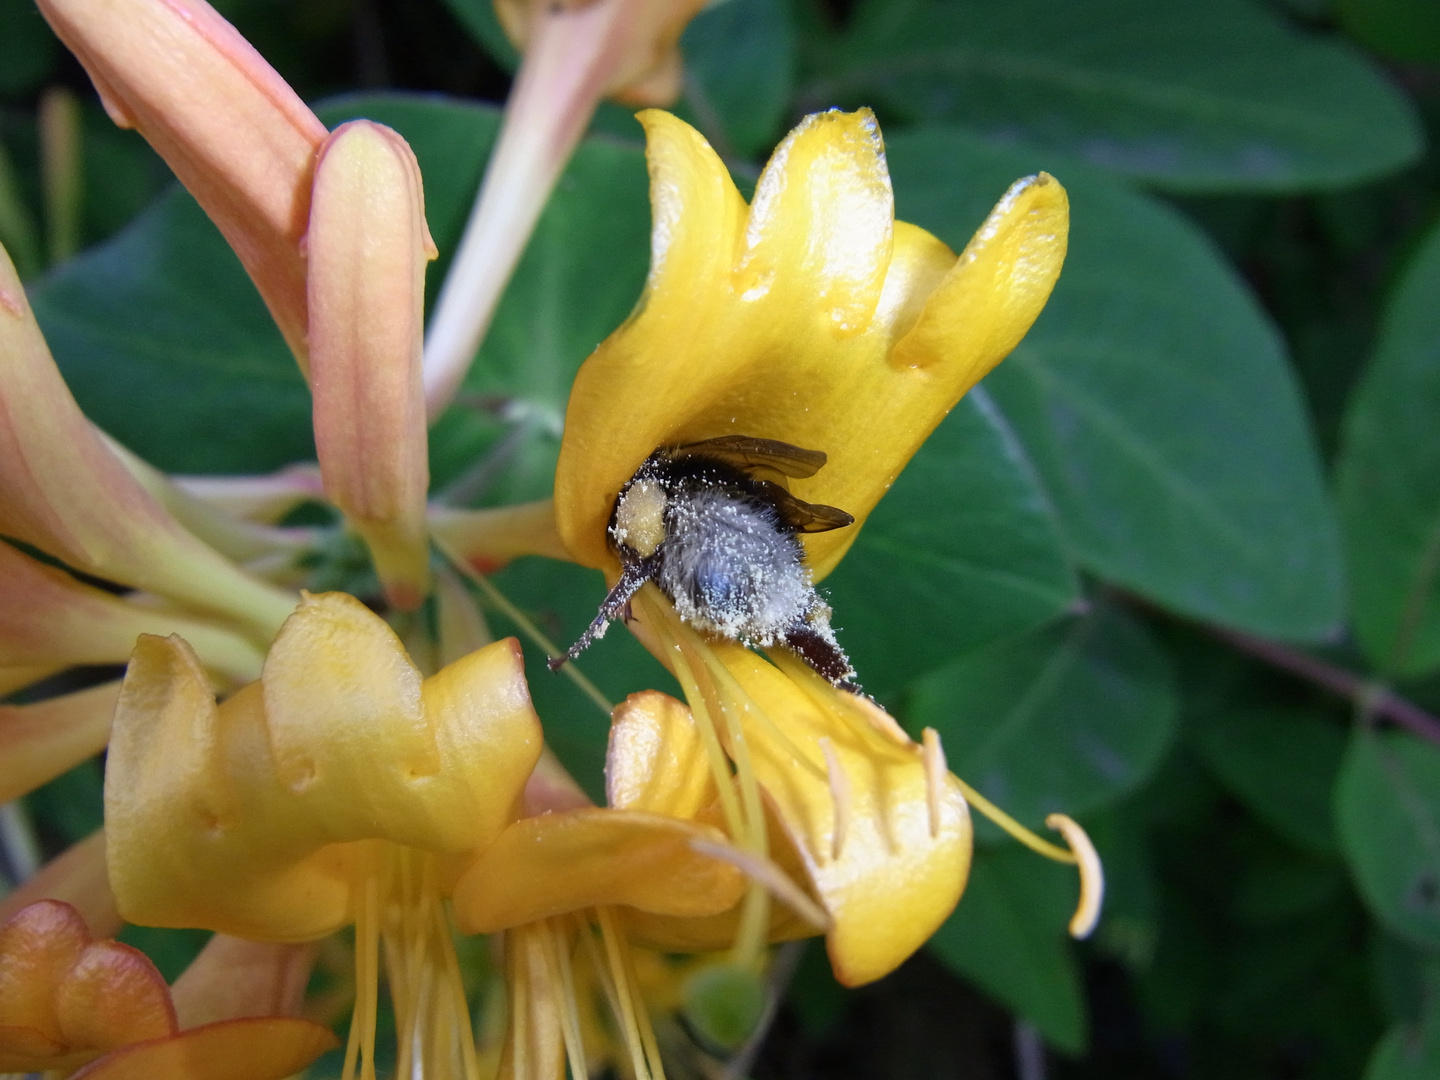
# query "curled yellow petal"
(234, 133)
(233, 978)
(256, 817)
(811, 318)
(367, 248)
(555, 863)
(656, 761)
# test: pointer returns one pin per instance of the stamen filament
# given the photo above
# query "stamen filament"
(765, 872)
(840, 798)
(557, 962)
(1092, 874)
(1014, 828)
(455, 993)
(935, 769)
(626, 994)
(528, 628)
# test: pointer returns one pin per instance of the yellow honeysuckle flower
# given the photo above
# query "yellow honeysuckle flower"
(548, 877)
(811, 318)
(341, 787)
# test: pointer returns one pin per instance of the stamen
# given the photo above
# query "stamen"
(839, 797)
(455, 995)
(935, 771)
(769, 875)
(1013, 827)
(1092, 875)
(628, 997)
(557, 961)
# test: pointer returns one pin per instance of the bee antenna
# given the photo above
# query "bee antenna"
(632, 576)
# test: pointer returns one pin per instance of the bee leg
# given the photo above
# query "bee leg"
(615, 606)
(819, 649)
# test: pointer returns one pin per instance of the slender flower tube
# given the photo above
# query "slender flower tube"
(575, 53)
(64, 491)
(368, 245)
(233, 131)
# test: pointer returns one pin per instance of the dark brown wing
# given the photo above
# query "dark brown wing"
(747, 452)
(803, 516)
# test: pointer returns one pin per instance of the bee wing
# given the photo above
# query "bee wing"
(747, 452)
(803, 516)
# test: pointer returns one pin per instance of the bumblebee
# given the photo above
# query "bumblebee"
(707, 523)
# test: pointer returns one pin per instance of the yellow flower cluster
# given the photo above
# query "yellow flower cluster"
(344, 779)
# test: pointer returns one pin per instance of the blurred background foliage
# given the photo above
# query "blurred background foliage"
(1173, 568)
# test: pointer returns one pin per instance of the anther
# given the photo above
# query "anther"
(839, 796)
(1092, 876)
(935, 771)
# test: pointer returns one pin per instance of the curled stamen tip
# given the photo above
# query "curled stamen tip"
(1092, 875)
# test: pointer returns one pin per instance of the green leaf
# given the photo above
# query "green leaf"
(1066, 719)
(561, 599)
(1401, 29)
(1155, 399)
(1388, 816)
(961, 551)
(27, 47)
(1280, 762)
(739, 70)
(1193, 95)
(167, 346)
(1008, 937)
(1389, 474)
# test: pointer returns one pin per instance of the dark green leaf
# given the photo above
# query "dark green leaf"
(1388, 816)
(1066, 719)
(1390, 479)
(168, 347)
(27, 47)
(1008, 937)
(1196, 95)
(1280, 762)
(739, 67)
(1154, 398)
(1401, 29)
(961, 551)
(561, 599)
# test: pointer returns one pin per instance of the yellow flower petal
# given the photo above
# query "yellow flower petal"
(253, 817)
(656, 761)
(367, 248)
(555, 863)
(63, 491)
(236, 135)
(811, 319)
